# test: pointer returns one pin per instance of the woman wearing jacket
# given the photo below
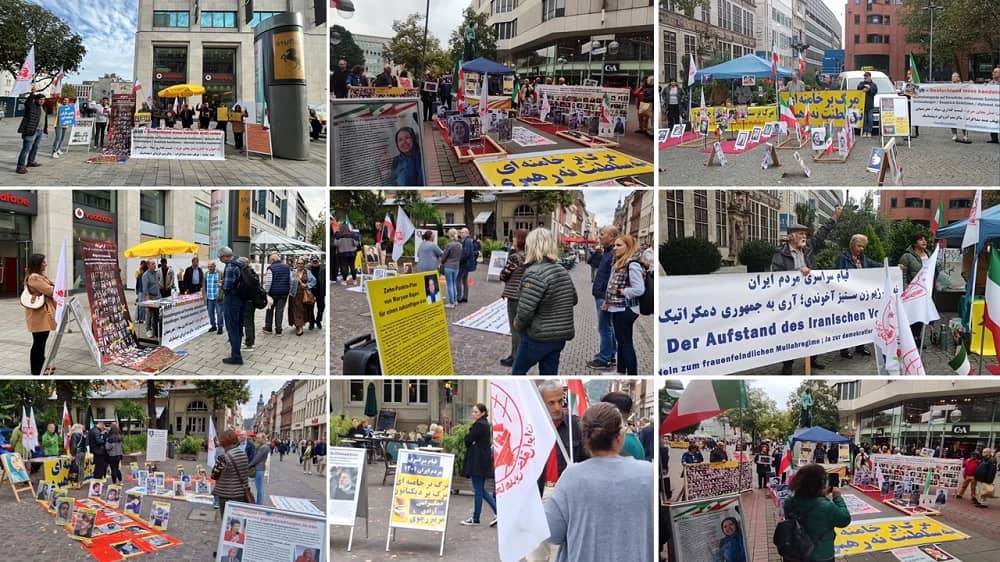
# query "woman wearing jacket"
(232, 483)
(40, 321)
(625, 286)
(113, 444)
(304, 281)
(451, 260)
(854, 258)
(911, 262)
(511, 275)
(346, 248)
(817, 514)
(77, 448)
(428, 253)
(479, 462)
(545, 304)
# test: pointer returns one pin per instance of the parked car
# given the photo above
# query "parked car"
(850, 79)
(568, 259)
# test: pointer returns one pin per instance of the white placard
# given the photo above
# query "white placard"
(156, 445)
(81, 133)
(271, 534)
(183, 321)
(974, 107)
(178, 144)
(498, 259)
(298, 505)
(490, 318)
(346, 467)
(721, 324)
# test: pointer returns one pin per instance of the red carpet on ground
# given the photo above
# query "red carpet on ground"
(729, 147)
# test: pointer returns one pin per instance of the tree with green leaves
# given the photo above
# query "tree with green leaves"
(824, 411)
(875, 250)
(364, 207)
(224, 394)
(68, 91)
(545, 201)
(408, 47)
(961, 29)
(17, 394)
(130, 410)
(751, 419)
(486, 38)
(342, 46)
(806, 216)
(25, 24)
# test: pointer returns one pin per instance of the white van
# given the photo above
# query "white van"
(850, 79)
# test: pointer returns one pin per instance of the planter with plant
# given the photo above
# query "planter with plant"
(454, 442)
(189, 448)
(340, 427)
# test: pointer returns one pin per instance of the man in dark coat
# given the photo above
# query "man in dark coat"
(34, 124)
(193, 279)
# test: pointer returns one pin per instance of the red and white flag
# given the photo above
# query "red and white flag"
(137, 87)
(484, 102)
(577, 397)
(692, 70)
(404, 230)
(802, 65)
(991, 313)
(702, 400)
(59, 292)
(67, 424)
(897, 351)
(211, 443)
(971, 237)
(938, 218)
(523, 437)
(57, 84)
(25, 76)
(29, 431)
(916, 298)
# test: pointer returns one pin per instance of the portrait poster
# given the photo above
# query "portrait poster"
(159, 515)
(114, 496)
(64, 510)
(377, 142)
(741, 140)
(346, 467)
(713, 529)
(133, 503)
(271, 534)
(14, 467)
(755, 134)
(83, 522)
(96, 489)
(677, 131)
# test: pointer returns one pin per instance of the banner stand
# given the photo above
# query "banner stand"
(436, 508)
(73, 307)
(362, 504)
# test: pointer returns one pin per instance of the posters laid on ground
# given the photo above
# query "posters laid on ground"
(872, 535)
(589, 99)
(923, 553)
(421, 492)
(81, 133)
(900, 468)
(524, 136)
(156, 445)
(490, 318)
(707, 525)
(410, 324)
(183, 320)
(721, 324)
(858, 506)
(376, 142)
(272, 534)
(572, 167)
(346, 466)
(298, 505)
(178, 144)
(974, 107)
(718, 479)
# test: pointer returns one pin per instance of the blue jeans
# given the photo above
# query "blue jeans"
(451, 279)
(530, 352)
(606, 332)
(624, 321)
(233, 307)
(868, 120)
(58, 138)
(140, 311)
(479, 488)
(258, 479)
(29, 148)
(215, 314)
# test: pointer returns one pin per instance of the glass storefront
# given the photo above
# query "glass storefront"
(219, 73)
(169, 68)
(960, 423)
(563, 57)
(103, 199)
(15, 248)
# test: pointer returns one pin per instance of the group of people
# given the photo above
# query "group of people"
(104, 442)
(164, 115)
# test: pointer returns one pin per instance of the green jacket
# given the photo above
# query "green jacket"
(633, 448)
(17, 442)
(819, 517)
(911, 264)
(545, 303)
(51, 444)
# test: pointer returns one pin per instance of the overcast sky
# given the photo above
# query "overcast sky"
(316, 200)
(837, 7)
(257, 386)
(777, 388)
(375, 17)
(602, 202)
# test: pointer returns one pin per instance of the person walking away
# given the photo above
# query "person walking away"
(763, 460)
(854, 258)
(115, 450)
(42, 320)
(102, 115)
(151, 281)
(277, 285)
(232, 304)
(671, 99)
(306, 457)
(249, 315)
(631, 447)
(645, 113)
(259, 465)
(911, 262)
(319, 457)
(213, 297)
(969, 467)
(587, 491)
(816, 513)
(428, 253)
(625, 286)
(511, 275)
(77, 448)
(466, 266)
(34, 124)
(451, 262)
(304, 282)
(192, 281)
(544, 307)
(51, 442)
(231, 471)
(61, 130)
(870, 89)
(606, 355)
(347, 247)
(238, 118)
(318, 290)
(985, 474)
(97, 442)
(478, 465)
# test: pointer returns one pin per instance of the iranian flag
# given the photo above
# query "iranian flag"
(786, 115)
(578, 402)
(384, 233)
(992, 311)
(67, 424)
(786, 458)
(211, 443)
(703, 109)
(702, 400)
(606, 109)
(802, 65)
(938, 218)
(960, 362)
(971, 237)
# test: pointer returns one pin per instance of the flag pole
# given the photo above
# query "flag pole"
(972, 301)
(569, 414)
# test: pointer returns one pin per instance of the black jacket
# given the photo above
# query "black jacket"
(579, 453)
(986, 471)
(783, 261)
(34, 115)
(479, 453)
(186, 280)
(95, 438)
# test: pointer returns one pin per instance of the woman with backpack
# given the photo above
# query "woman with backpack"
(807, 533)
(626, 285)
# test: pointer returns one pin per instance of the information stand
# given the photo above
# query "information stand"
(421, 493)
(894, 119)
(82, 132)
(348, 489)
(717, 155)
(83, 321)
(271, 534)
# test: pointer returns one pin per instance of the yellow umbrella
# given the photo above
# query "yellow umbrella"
(181, 91)
(161, 247)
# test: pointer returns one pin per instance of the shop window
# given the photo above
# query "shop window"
(261, 16)
(152, 211)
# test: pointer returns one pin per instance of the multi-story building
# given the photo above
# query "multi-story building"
(211, 43)
(725, 218)
(817, 29)
(920, 205)
(723, 28)
(287, 405)
(553, 38)
(107, 86)
(301, 224)
(875, 38)
(415, 401)
(824, 201)
(373, 48)
(314, 420)
(269, 210)
(776, 31)
(643, 396)
(634, 216)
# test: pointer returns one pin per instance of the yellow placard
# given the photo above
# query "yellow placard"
(887, 534)
(823, 105)
(243, 216)
(410, 325)
(221, 113)
(288, 56)
(757, 116)
(982, 337)
(56, 470)
(422, 490)
(561, 168)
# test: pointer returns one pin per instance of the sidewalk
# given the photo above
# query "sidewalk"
(71, 169)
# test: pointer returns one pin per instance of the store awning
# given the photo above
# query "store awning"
(483, 217)
(271, 242)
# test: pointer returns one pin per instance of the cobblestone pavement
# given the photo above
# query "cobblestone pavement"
(39, 540)
(476, 352)
(287, 355)
(462, 543)
(932, 160)
(71, 169)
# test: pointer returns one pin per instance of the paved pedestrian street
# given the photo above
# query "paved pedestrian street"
(196, 525)
(71, 169)
(287, 355)
(933, 159)
(477, 352)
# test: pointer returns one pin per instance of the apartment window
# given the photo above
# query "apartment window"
(748, 24)
(261, 16)
(152, 206)
(885, 39)
(857, 19)
(857, 39)
(701, 214)
(872, 38)
(721, 217)
(670, 53)
(101, 413)
(737, 19)
(893, 203)
(874, 19)
(690, 48)
(357, 388)
(914, 203)
(171, 19)
(202, 223)
(553, 9)
(102, 199)
(960, 204)
(417, 391)
(503, 6)
(885, 20)
(673, 213)
(392, 391)
(218, 19)
(505, 30)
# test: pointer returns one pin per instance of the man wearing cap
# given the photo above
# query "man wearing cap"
(798, 253)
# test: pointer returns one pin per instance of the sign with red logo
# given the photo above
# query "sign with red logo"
(93, 216)
(19, 201)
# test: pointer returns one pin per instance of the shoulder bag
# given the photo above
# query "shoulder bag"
(247, 493)
(31, 300)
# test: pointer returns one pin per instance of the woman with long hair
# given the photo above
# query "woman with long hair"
(113, 444)
(42, 320)
(296, 304)
(511, 275)
(451, 260)
(625, 286)
(817, 514)
(478, 464)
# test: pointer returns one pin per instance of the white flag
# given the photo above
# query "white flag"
(893, 340)
(404, 230)
(916, 298)
(523, 437)
(29, 431)
(59, 293)
(692, 70)
(703, 111)
(971, 237)
(544, 110)
(26, 75)
(211, 443)
(484, 102)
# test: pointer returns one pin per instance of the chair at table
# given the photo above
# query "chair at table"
(390, 454)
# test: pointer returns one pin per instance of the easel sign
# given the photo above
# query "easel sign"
(770, 157)
(717, 155)
(802, 165)
(421, 493)
(348, 491)
(888, 164)
(12, 469)
(83, 321)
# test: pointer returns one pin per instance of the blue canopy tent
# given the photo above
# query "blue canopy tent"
(989, 227)
(747, 65)
(818, 434)
(483, 65)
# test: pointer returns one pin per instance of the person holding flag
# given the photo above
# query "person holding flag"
(39, 311)
(913, 260)
(67, 424)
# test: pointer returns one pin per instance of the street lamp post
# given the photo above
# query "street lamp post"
(613, 47)
(931, 7)
(427, 20)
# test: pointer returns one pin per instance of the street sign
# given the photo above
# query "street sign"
(961, 429)
(599, 51)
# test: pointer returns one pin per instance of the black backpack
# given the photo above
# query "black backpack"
(986, 471)
(794, 544)
(248, 286)
(646, 299)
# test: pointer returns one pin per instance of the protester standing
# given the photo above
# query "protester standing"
(357, 77)
(304, 282)
(762, 459)
(204, 114)
(451, 262)
(192, 281)
(428, 253)
(478, 465)
(854, 258)
(625, 286)
(606, 355)
(911, 262)
(34, 124)
(140, 311)
(249, 315)
(386, 79)
(671, 99)
(995, 81)
(151, 281)
(232, 469)
(870, 89)
(427, 98)
(466, 266)
(61, 129)
(237, 118)
(97, 442)
(232, 305)
(817, 514)
(338, 79)
(511, 275)
(347, 248)
(277, 285)
(259, 465)
(113, 444)
(101, 117)
(42, 320)
(167, 278)
(51, 442)
(318, 291)
(78, 449)
(631, 447)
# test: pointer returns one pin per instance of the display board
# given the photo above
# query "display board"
(384, 92)
(840, 105)
(346, 474)
(721, 324)
(156, 445)
(873, 535)
(386, 420)
(119, 135)
(490, 318)
(708, 480)
(56, 470)
(703, 525)
(973, 107)
(376, 142)
(258, 140)
(271, 534)
(573, 167)
(421, 492)
(178, 144)
(410, 325)
(74, 309)
(81, 133)
(498, 259)
(183, 320)
(900, 468)
(894, 116)
(572, 99)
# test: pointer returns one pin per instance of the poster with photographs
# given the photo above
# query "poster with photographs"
(505, 130)
(64, 510)
(715, 479)
(818, 137)
(42, 492)
(133, 503)
(83, 522)
(947, 473)
(376, 142)
(159, 516)
(114, 495)
(475, 127)
(119, 137)
(267, 533)
(346, 466)
(755, 134)
(106, 294)
(713, 529)
(127, 549)
(96, 489)
(588, 99)
(768, 131)
(677, 131)
(741, 140)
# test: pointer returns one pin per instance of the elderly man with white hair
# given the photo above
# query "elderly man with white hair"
(985, 474)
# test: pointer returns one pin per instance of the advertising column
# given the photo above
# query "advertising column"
(279, 54)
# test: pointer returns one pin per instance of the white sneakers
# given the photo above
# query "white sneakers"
(55, 155)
